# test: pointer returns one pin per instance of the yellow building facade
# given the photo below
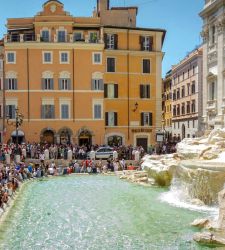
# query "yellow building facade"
(167, 106)
(80, 81)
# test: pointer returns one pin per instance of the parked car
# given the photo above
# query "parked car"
(102, 153)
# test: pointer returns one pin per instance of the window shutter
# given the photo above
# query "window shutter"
(115, 90)
(101, 85)
(148, 91)
(115, 119)
(43, 83)
(69, 83)
(115, 41)
(106, 119)
(6, 84)
(51, 83)
(151, 43)
(52, 111)
(141, 91)
(141, 41)
(13, 111)
(92, 84)
(60, 83)
(113, 64)
(105, 40)
(6, 111)
(42, 111)
(105, 90)
(150, 119)
(15, 80)
(142, 119)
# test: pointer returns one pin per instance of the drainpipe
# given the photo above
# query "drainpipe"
(128, 84)
(28, 86)
(73, 91)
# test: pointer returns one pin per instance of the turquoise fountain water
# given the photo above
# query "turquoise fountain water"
(96, 212)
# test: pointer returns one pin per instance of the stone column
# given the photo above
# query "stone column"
(205, 84)
(219, 89)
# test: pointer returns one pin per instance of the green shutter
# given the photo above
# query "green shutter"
(106, 119)
(60, 83)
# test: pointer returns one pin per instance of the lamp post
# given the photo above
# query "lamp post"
(16, 123)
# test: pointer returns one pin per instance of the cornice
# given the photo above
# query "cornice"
(41, 45)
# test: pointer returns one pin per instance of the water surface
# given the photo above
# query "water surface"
(96, 212)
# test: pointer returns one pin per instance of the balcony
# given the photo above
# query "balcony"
(21, 38)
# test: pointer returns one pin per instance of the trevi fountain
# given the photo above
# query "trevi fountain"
(177, 201)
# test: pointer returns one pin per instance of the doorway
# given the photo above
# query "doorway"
(48, 137)
(142, 142)
(183, 131)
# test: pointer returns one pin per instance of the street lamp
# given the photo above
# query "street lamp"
(16, 123)
(135, 107)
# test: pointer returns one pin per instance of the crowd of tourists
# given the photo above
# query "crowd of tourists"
(59, 151)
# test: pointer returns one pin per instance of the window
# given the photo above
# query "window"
(183, 92)
(11, 111)
(174, 95)
(193, 123)
(188, 107)
(188, 88)
(97, 58)
(47, 57)
(146, 66)
(183, 109)
(145, 91)
(212, 91)
(47, 111)
(174, 110)
(111, 64)
(178, 109)
(97, 111)
(45, 36)
(47, 83)
(146, 119)
(93, 37)
(193, 107)
(61, 36)
(11, 57)
(213, 34)
(111, 41)
(11, 84)
(64, 84)
(146, 43)
(111, 119)
(64, 57)
(97, 84)
(193, 87)
(193, 69)
(64, 111)
(78, 36)
(111, 90)
(178, 93)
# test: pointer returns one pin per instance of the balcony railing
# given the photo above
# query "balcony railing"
(54, 39)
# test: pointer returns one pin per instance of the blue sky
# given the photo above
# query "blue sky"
(179, 17)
